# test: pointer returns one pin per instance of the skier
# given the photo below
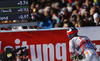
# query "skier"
(80, 47)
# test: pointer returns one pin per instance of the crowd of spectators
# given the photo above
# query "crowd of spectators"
(65, 13)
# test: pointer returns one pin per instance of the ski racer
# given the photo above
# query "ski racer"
(80, 47)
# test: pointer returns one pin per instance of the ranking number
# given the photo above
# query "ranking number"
(22, 3)
(26, 16)
(23, 10)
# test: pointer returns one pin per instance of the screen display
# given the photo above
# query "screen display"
(14, 10)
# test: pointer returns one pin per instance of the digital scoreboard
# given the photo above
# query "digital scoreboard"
(14, 10)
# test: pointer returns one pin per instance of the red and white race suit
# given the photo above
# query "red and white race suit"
(82, 45)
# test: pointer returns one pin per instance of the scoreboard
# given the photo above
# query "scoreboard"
(14, 10)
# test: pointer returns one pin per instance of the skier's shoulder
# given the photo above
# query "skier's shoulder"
(79, 38)
(83, 37)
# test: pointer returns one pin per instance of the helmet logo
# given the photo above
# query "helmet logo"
(71, 32)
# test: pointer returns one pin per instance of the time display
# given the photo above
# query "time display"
(14, 10)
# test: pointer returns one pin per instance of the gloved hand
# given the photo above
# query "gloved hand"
(80, 57)
(95, 48)
(73, 56)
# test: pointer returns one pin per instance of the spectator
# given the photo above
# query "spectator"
(57, 25)
(73, 17)
(65, 11)
(55, 19)
(34, 15)
(67, 24)
(69, 7)
(47, 21)
(32, 7)
(43, 3)
(86, 18)
(96, 17)
(56, 8)
(41, 15)
(37, 6)
(78, 7)
(92, 11)
(79, 22)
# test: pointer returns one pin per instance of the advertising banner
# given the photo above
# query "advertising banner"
(48, 45)
(42, 45)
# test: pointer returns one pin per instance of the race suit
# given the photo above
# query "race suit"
(82, 45)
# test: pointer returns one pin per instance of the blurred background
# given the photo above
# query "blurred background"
(46, 14)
